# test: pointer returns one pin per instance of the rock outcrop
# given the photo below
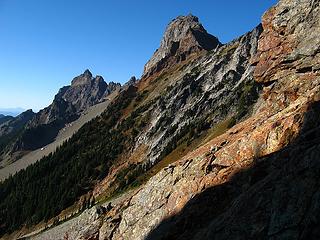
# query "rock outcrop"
(208, 90)
(184, 35)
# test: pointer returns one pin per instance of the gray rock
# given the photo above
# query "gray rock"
(184, 35)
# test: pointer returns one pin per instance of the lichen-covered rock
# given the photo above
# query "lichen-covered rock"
(290, 41)
(259, 180)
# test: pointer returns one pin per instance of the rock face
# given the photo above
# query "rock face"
(290, 40)
(214, 81)
(184, 35)
(248, 183)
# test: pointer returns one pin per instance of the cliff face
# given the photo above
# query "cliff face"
(185, 104)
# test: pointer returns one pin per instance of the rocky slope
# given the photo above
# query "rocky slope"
(259, 180)
(70, 101)
(268, 162)
(179, 106)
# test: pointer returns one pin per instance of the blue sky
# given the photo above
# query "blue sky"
(44, 44)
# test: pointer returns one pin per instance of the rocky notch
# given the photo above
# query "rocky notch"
(184, 35)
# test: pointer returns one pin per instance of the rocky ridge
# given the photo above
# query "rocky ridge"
(266, 161)
(169, 107)
(84, 92)
(68, 104)
(178, 104)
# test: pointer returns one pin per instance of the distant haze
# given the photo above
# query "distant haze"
(11, 111)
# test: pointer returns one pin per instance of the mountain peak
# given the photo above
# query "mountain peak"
(87, 73)
(84, 78)
(185, 20)
(183, 36)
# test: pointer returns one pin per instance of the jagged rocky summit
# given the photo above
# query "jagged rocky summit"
(184, 36)
(68, 104)
(84, 92)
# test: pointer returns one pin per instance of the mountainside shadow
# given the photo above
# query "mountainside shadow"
(277, 198)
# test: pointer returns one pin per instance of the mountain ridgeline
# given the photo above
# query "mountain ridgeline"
(41, 128)
(174, 105)
(207, 131)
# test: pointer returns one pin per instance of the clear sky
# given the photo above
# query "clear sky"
(44, 43)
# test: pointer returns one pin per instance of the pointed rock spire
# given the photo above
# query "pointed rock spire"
(87, 73)
(184, 35)
(84, 78)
